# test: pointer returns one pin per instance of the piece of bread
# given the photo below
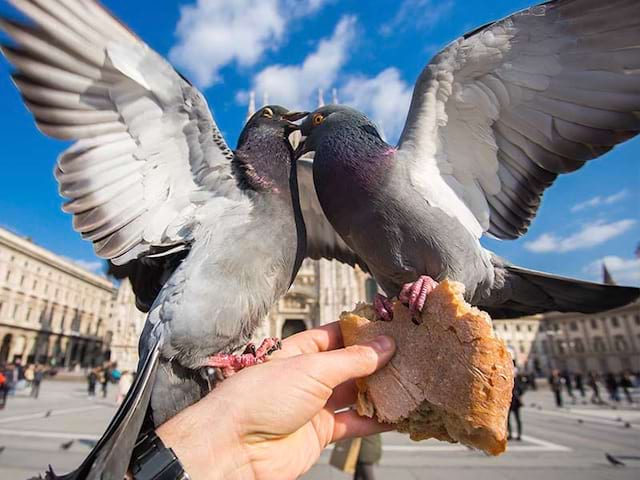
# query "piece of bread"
(451, 378)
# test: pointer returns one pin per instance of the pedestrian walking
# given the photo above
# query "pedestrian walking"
(592, 381)
(103, 378)
(516, 403)
(580, 384)
(124, 384)
(568, 383)
(4, 388)
(612, 386)
(370, 454)
(29, 374)
(38, 376)
(92, 379)
(555, 383)
(626, 384)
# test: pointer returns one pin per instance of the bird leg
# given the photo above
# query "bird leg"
(383, 307)
(230, 363)
(414, 295)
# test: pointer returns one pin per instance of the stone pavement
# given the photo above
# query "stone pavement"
(60, 427)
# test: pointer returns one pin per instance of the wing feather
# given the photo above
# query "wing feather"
(501, 112)
(146, 143)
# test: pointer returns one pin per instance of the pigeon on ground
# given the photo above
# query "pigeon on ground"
(614, 461)
(495, 118)
(218, 234)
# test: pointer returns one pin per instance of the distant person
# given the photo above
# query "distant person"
(38, 376)
(555, 383)
(12, 379)
(103, 378)
(612, 386)
(124, 384)
(29, 374)
(626, 384)
(4, 387)
(531, 381)
(580, 384)
(516, 403)
(592, 381)
(92, 379)
(567, 380)
(370, 454)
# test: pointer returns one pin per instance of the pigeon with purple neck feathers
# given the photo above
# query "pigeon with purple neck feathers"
(494, 119)
(210, 236)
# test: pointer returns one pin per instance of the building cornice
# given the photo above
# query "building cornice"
(43, 255)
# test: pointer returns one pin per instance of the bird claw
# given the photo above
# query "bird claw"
(230, 364)
(383, 307)
(414, 295)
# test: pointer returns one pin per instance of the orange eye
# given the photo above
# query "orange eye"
(318, 118)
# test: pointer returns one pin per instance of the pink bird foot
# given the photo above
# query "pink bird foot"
(230, 364)
(414, 295)
(383, 307)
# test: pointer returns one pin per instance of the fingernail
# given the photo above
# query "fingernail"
(382, 343)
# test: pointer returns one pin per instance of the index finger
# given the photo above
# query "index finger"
(320, 339)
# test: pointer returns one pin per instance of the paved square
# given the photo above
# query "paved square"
(61, 426)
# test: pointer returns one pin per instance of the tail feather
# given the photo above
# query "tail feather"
(526, 292)
(110, 457)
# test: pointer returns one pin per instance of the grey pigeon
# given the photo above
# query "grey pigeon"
(218, 234)
(495, 118)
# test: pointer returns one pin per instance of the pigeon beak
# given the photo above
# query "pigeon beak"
(295, 138)
(294, 116)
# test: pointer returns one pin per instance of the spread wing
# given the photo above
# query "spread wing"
(322, 239)
(500, 113)
(148, 152)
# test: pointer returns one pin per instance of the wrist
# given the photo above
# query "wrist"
(205, 441)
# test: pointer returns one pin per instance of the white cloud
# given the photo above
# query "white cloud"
(295, 85)
(589, 236)
(385, 98)
(215, 33)
(599, 200)
(418, 14)
(625, 271)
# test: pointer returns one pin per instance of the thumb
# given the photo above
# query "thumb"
(337, 366)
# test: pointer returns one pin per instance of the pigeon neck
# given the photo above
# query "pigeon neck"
(263, 161)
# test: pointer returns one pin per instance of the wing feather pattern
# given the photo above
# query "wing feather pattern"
(501, 112)
(146, 142)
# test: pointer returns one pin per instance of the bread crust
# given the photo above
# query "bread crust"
(451, 378)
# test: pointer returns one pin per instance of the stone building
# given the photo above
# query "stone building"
(127, 322)
(51, 310)
(600, 342)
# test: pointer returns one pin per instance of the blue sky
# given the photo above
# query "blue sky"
(371, 53)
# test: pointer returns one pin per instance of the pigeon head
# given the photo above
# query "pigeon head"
(265, 148)
(329, 122)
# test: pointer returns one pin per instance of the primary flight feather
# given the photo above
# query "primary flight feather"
(495, 117)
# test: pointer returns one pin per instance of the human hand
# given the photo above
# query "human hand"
(272, 421)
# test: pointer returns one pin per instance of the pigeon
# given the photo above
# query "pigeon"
(495, 117)
(66, 445)
(614, 461)
(218, 234)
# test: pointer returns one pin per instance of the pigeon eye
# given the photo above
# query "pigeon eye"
(318, 118)
(268, 113)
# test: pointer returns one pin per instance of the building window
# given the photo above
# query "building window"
(620, 343)
(615, 322)
(594, 323)
(598, 344)
(6, 277)
(35, 284)
(560, 346)
(21, 280)
(517, 328)
(16, 308)
(636, 319)
(573, 326)
(505, 327)
(521, 347)
(578, 346)
(529, 328)
(534, 349)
